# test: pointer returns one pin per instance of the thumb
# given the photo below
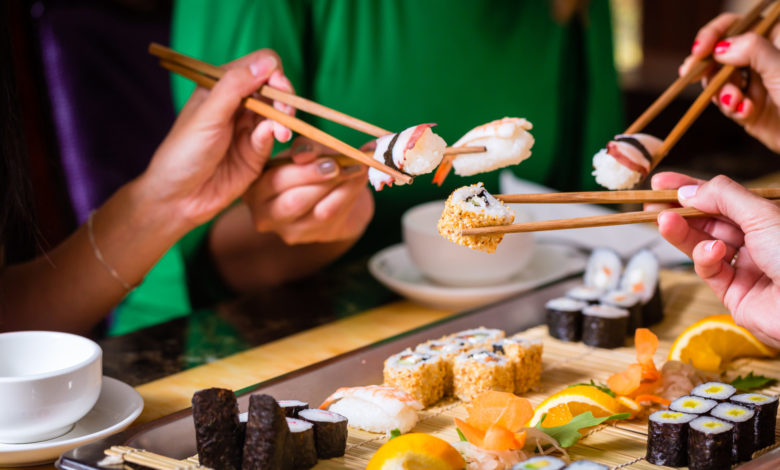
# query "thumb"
(753, 50)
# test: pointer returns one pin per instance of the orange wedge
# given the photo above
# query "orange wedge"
(578, 399)
(710, 343)
(416, 451)
(557, 416)
(628, 405)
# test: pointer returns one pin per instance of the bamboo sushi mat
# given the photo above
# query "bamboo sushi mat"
(621, 445)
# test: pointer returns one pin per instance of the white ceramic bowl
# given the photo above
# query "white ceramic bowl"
(446, 263)
(48, 381)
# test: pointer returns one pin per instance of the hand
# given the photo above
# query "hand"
(216, 149)
(313, 200)
(757, 108)
(743, 225)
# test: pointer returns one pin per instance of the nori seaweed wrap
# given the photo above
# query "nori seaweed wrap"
(300, 449)
(743, 419)
(709, 444)
(218, 434)
(604, 326)
(266, 435)
(291, 408)
(564, 318)
(765, 421)
(330, 432)
(667, 438)
(628, 301)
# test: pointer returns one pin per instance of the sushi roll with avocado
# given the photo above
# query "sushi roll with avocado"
(628, 301)
(765, 420)
(544, 462)
(709, 444)
(526, 358)
(604, 326)
(742, 419)
(641, 278)
(693, 405)
(667, 438)
(564, 318)
(603, 269)
(301, 451)
(625, 161)
(421, 375)
(717, 391)
(586, 465)
(218, 433)
(330, 432)
(587, 294)
(266, 435)
(480, 370)
(478, 337)
(470, 207)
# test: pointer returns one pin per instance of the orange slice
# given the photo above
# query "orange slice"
(578, 399)
(416, 451)
(710, 343)
(628, 405)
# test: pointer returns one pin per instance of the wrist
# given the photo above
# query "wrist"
(150, 210)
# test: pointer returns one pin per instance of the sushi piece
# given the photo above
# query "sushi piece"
(641, 278)
(587, 294)
(709, 444)
(544, 462)
(301, 450)
(586, 465)
(692, 405)
(743, 420)
(374, 408)
(218, 432)
(765, 420)
(628, 301)
(266, 435)
(625, 161)
(414, 151)
(422, 375)
(330, 431)
(603, 269)
(525, 355)
(480, 370)
(604, 326)
(479, 336)
(448, 350)
(291, 408)
(717, 391)
(469, 207)
(564, 318)
(667, 438)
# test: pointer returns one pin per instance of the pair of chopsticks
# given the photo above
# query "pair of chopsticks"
(599, 197)
(119, 454)
(714, 85)
(207, 75)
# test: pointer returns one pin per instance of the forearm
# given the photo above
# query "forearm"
(248, 260)
(69, 288)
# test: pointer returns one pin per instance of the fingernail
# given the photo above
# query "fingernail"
(693, 48)
(687, 192)
(262, 67)
(725, 99)
(722, 46)
(351, 169)
(303, 148)
(741, 107)
(327, 166)
(710, 246)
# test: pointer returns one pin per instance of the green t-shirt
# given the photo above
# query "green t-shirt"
(458, 63)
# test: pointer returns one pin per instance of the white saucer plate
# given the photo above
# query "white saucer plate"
(117, 407)
(393, 267)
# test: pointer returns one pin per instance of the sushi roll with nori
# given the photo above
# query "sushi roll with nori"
(587, 294)
(478, 337)
(717, 391)
(470, 207)
(330, 432)
(544, 462)
(603, 269)
(742, 419)
(218, 433)
(564, 318)
(667, 438)
(765, 420)
(586, 465)
(414, 151)
(526, 358)
(625, 161)
(693, 405)
(448, 350)
(301, 451)
(291, 408)
(480, 370)
(628, 301)
(266, 435)
(641, 278)
(422, 375)
(604, 326)
(709, 444)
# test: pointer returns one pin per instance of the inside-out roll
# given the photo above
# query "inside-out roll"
(469, 207)
(414, 151)
(625, 161)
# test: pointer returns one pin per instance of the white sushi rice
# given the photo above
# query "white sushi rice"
(691, 404)
(604, 311)
(753, 398)
(586, 465)
(439, 347)
(544, 462)
(585, 293)
(375, 416)
(476, 199)
(714, 390)
(732, 412)
(479, 335)
(710, 425)
(603, 269)
(409, 359)
(641, 275)
(611, 174)
(298, 425)
(426, 154)
(506, 141)
(673, 417)
(620, 298)
(565, 304)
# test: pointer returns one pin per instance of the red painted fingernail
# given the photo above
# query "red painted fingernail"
(695, 43)
(722, 46)
(725, 99)
(741, 107)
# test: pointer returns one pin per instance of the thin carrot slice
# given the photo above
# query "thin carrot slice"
(500, 438)
(627, 381)
(499, 408)
(473, 435)
(443, 170)
(646, 345)
(653, 399)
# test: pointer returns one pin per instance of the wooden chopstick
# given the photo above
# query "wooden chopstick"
(293, 123)
(703, 100)
(682, 82)
(614, 197)
(150, 459)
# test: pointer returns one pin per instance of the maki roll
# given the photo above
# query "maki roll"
(625, 161)
(291, 408)
(422, 375)
(717, 391)
(414, 151)
(526, 358)
(469, 207)
(506, 141)
(589, 295)
(641, 278)
(330, 432)
(693, 405)
(586, 465)
(628, 301)
(301, 451)
(604, 326)
(603, 269)
(667, 438)
(765, 420)
(447, 349)
(218, 433)
(742, 419)
(266, 435)
(480, 370)
(709, 444)
(544, 462)
(479, 336)
(564, 318)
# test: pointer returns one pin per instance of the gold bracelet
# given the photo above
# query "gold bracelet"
(99, 255)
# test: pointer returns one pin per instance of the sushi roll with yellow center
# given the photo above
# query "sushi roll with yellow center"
(469, 207)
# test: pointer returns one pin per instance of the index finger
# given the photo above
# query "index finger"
(711, 33)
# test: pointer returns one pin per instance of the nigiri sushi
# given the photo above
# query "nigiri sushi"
(375, 408)
(414, 151)
(625, 161)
